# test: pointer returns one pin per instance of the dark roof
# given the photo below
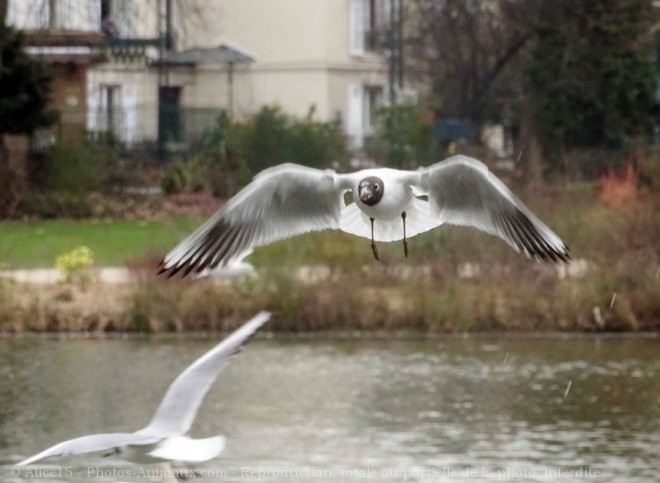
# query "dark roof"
(223, 54)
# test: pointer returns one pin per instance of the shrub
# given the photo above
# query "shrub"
(76, 168)
(404, 136)
(231, 152)
(174, 179)
(74, 265)
(316, 144)
(227, 169)
(618, 189)
(272, 137)
(12, 191)
(56, 204)
(153, 307)
(6, 305)
(264, 142)
(187, 176)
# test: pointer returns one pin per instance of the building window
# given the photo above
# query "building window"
(364, 31)
(111, 104)
(363, 102)
(119, 18)
(53, 15)
(112, 112)
(372, 33)
(106, 8)
(169, 114)
(373, 100)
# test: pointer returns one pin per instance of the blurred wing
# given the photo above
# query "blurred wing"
(178, 408)
(462, 191)
(89, 444)
(280, 202)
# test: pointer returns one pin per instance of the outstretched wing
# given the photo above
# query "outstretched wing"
(280, 202)
(462, 191)
(177, 410)
(89, 444)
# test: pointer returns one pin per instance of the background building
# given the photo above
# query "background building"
(162, 70)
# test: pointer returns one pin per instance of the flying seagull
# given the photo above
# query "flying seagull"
(388, 205)
(164, 438)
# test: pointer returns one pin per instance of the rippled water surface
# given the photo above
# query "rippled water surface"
(443, 409)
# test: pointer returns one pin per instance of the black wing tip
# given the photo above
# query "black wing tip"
(171, 272)
(184, 269)
(550, 254)
(556, 258)
(167, 272)
(534, 244)
(218, 246)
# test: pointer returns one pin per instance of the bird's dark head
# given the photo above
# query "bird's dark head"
(370, 190)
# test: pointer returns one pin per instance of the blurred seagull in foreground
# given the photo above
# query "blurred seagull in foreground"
(389, 205)
(164, 438)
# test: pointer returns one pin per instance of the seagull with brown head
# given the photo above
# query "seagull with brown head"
(388, 205)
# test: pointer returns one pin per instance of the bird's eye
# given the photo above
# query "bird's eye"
(376, 187)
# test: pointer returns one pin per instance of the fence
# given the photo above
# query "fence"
(157, 133)
(166, 129)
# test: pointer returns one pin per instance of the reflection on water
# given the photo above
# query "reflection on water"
(443, 409)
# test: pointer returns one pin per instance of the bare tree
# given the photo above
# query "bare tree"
(470, 54)
(189, 16)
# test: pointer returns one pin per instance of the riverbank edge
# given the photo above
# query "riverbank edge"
(540, 302)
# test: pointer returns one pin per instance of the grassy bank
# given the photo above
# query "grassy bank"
(36, 243)
(437, 301)
(455, 279)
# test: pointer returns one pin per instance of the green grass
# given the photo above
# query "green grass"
(36, 244)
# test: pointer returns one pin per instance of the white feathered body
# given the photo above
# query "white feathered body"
(175, 448)
(397, 198)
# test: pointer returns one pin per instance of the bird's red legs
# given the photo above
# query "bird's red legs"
(373, 244)
(405, 240)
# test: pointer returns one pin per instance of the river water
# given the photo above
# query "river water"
(479, 408)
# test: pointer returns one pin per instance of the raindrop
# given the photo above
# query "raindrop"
(506, 356)
(613, 299)
(568, 388)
